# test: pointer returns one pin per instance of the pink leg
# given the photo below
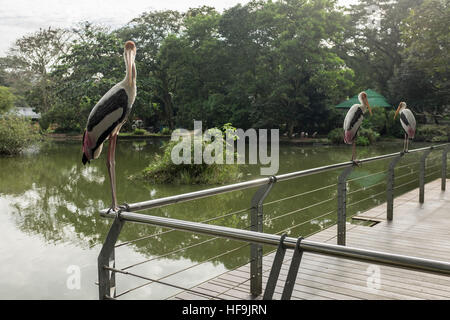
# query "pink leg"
(111, 165)
(353, 150)
(355, 162)
(404, 143)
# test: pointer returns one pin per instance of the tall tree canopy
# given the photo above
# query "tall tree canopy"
(424, 75)
(273, 64)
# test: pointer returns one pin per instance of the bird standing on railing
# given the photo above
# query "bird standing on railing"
(353, 120)
(408, 123)
(108, 116)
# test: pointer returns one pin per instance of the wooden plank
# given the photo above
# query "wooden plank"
(422, 231)
(390, 273)
(390, 285)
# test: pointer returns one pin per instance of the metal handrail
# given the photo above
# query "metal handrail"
(364, 255)
(156, 203)
(256, 237)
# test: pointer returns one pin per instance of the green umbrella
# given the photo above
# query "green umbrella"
(375, 100)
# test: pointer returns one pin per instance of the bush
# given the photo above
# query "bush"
(139, 132)
(432, 133)
(163, 170)
(393, 126)
(6, 99)
(44, 123)
(377, 121)
(15, 135)
(165, 130)
(369, 134)
(336, 136)
(364, 137)
(362, 141)
(440, 139)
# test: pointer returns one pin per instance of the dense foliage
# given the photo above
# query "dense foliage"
(163, 169)
(16, 134)
(274, 64)
(7, 99)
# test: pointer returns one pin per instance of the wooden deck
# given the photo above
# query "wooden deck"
(417, 230)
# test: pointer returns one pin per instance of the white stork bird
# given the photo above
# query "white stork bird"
(408, 123)
(353, 120)
(108, 116)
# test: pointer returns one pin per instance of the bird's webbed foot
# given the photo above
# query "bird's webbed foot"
(356, 163)
(113, 210)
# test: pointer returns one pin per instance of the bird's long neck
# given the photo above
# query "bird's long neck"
(131, 70)
(363, 107)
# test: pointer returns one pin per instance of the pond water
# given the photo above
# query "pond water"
(51, 232)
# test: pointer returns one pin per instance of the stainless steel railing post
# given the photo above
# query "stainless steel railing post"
(390, 187)
(256, 250)
(342, 205)
(107, 278)
(422, 175)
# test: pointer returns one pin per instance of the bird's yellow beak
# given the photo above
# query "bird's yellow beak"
(130, 66)
(396, 112)
(130, 51)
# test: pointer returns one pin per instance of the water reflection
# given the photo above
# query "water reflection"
(52, 197)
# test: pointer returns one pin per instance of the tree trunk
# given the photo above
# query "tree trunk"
(168, 107)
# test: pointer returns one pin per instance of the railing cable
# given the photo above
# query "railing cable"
(154, 281)
(299, 194)
(171, 230)
(301, 209)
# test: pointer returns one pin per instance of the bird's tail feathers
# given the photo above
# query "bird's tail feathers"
(86, 148)
(348, 137)
(85, 159)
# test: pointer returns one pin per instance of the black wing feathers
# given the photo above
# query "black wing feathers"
(117, 100)
(404, 119)
(356, 116)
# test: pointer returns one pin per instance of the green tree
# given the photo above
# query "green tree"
(296, 76)
(7, 99)
(3, 75)
(16, 134)
(30, 62)
(92, 66)
(423, 77)
(201, 88)
(373, 41)
(149, 31)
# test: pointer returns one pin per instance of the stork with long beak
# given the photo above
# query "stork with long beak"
(408, 123)
(108, 116)
(353, 120)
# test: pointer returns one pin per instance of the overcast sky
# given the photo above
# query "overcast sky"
(20, 17)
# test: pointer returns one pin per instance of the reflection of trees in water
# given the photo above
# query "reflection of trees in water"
(59, 199)
(197, 210)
